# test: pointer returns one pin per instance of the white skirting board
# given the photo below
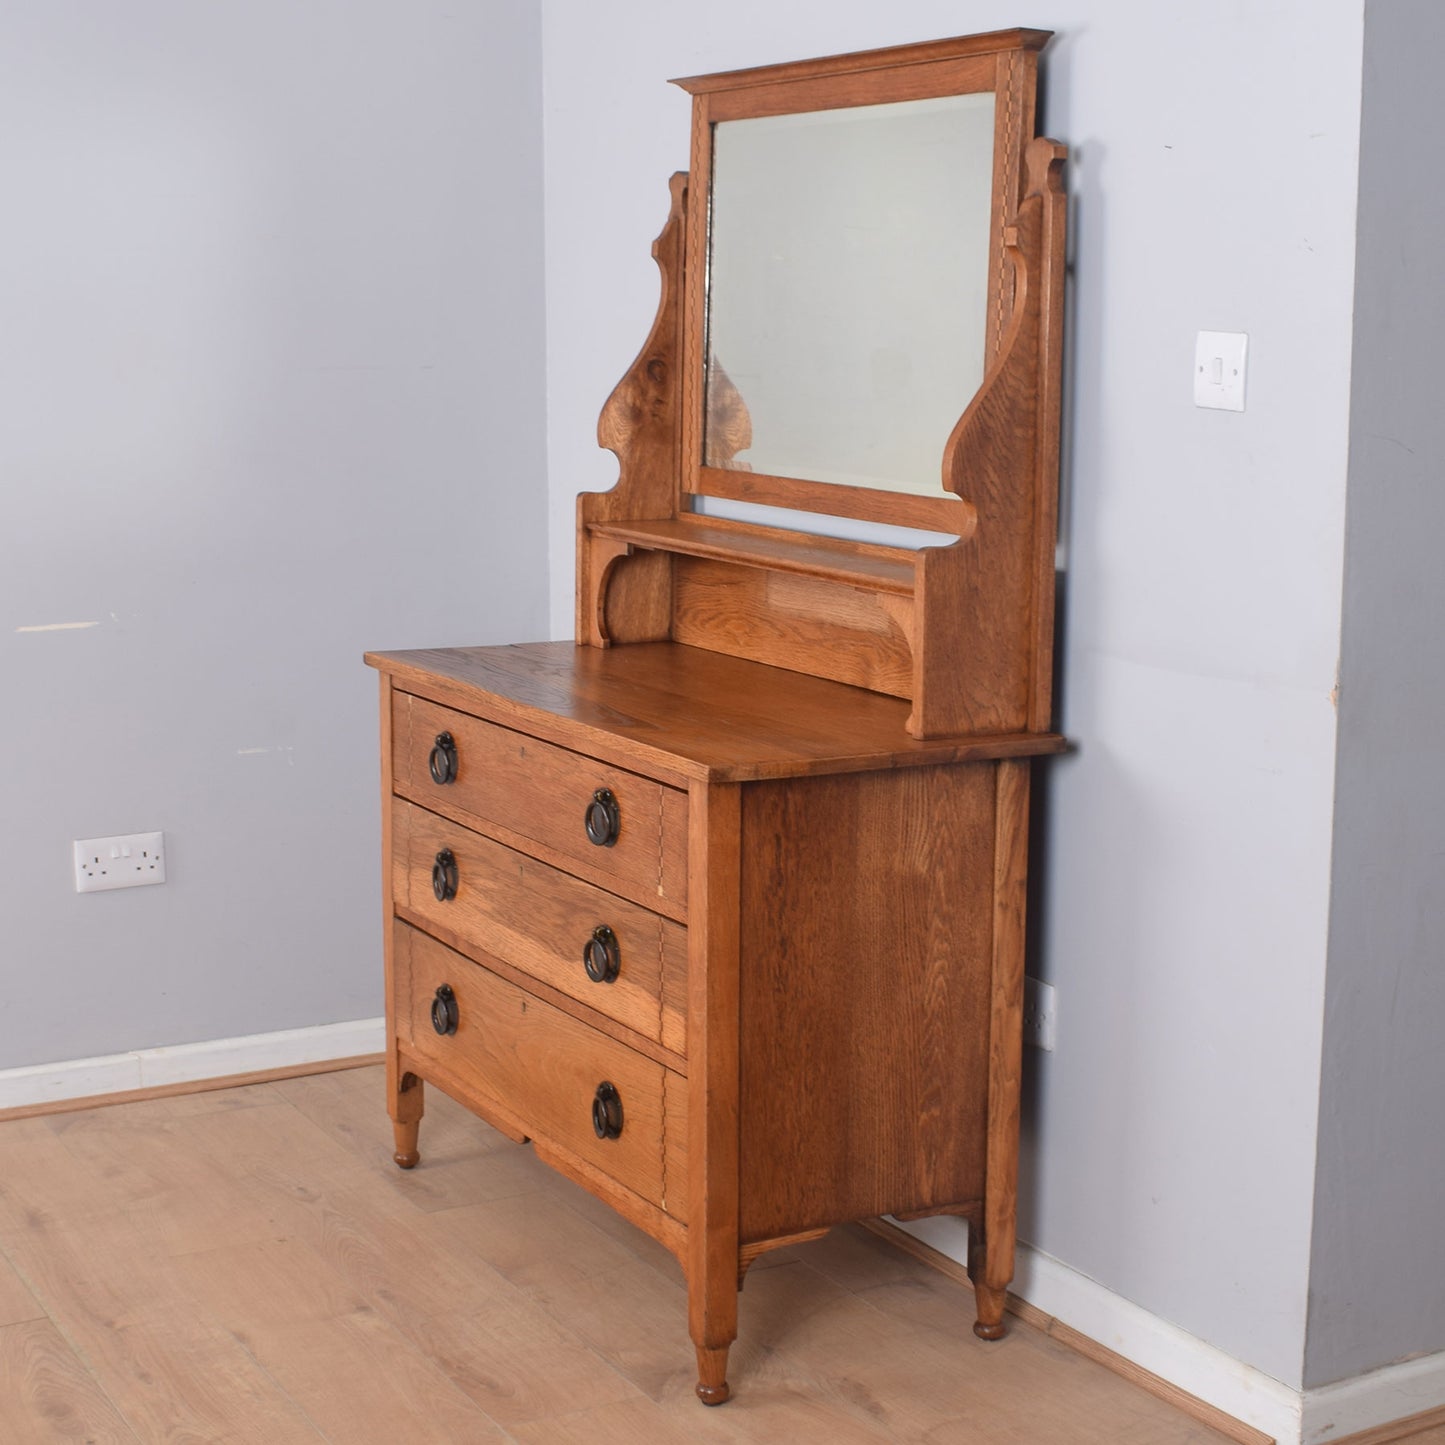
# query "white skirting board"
(188, 1063)
(1292, 1417)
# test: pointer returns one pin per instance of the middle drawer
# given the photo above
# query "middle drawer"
(612, 955)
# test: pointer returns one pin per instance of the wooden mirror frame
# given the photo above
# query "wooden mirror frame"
(963, 630)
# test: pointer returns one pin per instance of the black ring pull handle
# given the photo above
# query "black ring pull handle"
(602, 955)
(444, 1016)
(607, 1111)
(604, 818)
(444, 877)
(442, 760)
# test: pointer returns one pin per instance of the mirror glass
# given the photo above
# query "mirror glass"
(847, 286)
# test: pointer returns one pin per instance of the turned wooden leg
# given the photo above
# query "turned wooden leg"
(990, 1302)
(712, 1298)
(712, 1370)
(988, 1298)
(407, 1105)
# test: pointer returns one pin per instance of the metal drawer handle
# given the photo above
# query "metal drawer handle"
(444, 1016)
(604, 818)
(602, 955)
(442, 760)
(444, 877)
(607, 1111)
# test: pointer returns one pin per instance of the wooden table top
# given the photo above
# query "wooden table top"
(687, 711)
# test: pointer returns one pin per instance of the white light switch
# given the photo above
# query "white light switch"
(1219, 369)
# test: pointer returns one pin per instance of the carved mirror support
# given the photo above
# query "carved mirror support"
(862, 288)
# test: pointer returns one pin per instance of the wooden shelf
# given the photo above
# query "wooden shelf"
(857, 564)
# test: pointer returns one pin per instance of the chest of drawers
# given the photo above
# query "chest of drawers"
(731, 950)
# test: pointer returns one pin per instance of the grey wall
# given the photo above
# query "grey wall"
(1377, 1291)
(272, 366)
(1184, 865)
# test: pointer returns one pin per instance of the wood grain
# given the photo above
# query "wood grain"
(541, 1066)
(537, 919)
(714, 945)
(994, 1261)
(864, 995)
(862, 61)
(17, 1304)
(885, 569)
(513, 1304)
(542, 793)
(641, 424)
(1426, 1428)
(810, 625)
(686, 712)
(1034, 1318)
(46, 1394)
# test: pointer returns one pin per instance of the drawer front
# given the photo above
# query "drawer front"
(541, 920)
(540, 1065)
(542, 793)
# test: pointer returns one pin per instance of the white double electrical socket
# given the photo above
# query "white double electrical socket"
(129, 860)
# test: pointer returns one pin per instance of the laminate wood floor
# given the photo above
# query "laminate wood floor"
(248, 1266)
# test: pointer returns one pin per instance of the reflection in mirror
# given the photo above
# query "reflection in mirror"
(847, 286)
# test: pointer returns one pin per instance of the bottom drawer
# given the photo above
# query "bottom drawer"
(558, 1078)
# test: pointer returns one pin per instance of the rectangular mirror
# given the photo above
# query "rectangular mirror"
(847, 290)
(846, 272)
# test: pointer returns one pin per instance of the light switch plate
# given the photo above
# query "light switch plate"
(1219, 369)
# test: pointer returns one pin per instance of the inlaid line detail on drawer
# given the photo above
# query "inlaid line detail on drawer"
(530, 792)
(539, 1066)
(509, 906)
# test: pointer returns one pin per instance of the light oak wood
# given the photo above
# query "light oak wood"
(542, 792)
(755, 723)
(819, 749)
(864, 1076)
(46, 1394)
(531, 1306)
(854, 972)
(538, 919)
(964, 631)
(1426, 1428)
(530, 1062)
(714, 942)
(188, 1087)
(1037, 1319)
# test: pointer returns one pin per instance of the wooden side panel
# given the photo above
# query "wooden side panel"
(535, 1064)
(866, 956)
(802, 623)
(985, 605)
(641, 425)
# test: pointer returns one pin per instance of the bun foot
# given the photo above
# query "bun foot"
(989, 1332)
(408, 1160)
(712, 1369)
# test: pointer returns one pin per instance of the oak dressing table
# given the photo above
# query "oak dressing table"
(722, 905)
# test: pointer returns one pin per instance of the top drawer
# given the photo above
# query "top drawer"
(523, 790)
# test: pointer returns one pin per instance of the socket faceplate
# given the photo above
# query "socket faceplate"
(1039, 1014)
(128, 860)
